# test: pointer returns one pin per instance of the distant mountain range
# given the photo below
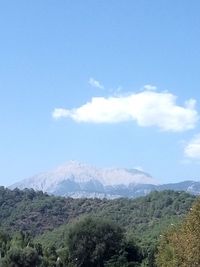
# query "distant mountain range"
(75, 179)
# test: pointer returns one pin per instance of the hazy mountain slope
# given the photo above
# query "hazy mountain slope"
(78, 180)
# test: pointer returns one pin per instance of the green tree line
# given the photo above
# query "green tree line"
(55, 231)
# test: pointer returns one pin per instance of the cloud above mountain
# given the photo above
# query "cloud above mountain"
(94, 83)
(147, 108)
(192, 148)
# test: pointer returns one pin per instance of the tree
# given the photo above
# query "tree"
(17, 257)
(167, 257)
(93, 241)
(4, 243)
(181, 246)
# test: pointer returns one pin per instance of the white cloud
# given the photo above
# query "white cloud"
(192, 148)
(150, 87)
(146, 108)
(139, 168)
(60, 112)
(95, 83)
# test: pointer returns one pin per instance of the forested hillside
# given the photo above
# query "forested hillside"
(37, 212)
(44, 223)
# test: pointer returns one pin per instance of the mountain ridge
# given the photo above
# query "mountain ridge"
(75, 179)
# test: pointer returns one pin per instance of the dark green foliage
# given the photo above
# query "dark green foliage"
(138, 217)
(18, 257)
(27, 214)
(37, 212)
(4, 243)
(91, 242)
(94, 242)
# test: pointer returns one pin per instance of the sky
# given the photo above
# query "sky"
(108, 83)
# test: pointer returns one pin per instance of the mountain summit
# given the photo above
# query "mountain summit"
(79, 179)
(75, 179)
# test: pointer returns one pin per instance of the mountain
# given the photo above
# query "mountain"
(81, 180)
(78, 180)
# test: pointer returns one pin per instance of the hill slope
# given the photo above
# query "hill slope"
(37, 212)
(31, 217)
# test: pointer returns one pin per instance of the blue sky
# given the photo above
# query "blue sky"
(97, 81)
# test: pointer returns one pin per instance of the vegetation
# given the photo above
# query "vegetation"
(181, 246)
(90, 242)
(53, 231)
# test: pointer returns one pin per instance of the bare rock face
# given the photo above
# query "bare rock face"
(77, 180)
